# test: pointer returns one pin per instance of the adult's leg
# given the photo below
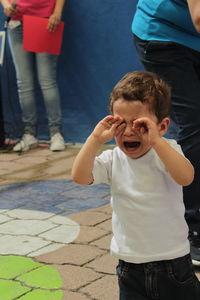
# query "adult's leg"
(24, 66)
(46, 68)
(180, 67)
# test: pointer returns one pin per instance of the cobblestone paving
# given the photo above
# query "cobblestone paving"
(49, 224)
(47, 218)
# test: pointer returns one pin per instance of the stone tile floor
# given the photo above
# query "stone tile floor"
(46, 217)
(49, 224)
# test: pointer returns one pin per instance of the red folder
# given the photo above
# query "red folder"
(36, 37)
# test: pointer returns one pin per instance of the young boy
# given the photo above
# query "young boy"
(146, 173)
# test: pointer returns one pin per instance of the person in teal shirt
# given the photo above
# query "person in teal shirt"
(167, 39)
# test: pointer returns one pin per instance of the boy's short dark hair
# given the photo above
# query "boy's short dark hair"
(146, 87)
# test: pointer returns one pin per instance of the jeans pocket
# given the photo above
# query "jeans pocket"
(181, 271)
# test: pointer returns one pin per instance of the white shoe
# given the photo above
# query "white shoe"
(57, 142)
(27, 142)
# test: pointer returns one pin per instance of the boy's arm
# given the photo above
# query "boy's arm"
(84, 162)
(180, 169)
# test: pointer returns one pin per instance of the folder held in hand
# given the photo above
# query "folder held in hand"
(37, 38)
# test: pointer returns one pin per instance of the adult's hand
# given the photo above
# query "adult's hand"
(9, 8)
(53, 23)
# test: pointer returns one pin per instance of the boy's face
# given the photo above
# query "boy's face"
(128, 140)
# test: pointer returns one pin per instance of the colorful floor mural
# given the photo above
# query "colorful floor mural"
(33, 222)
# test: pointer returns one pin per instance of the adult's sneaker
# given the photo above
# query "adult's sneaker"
(194, 238)
(57, 142)
(27, 142)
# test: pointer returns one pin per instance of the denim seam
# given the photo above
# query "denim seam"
(150, 283)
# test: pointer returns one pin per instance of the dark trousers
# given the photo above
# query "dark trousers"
(180, 67)
(2, 134)
(163, 280)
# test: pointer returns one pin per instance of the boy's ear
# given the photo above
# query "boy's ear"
(163, 126)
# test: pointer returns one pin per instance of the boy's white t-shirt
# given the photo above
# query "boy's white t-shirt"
(148, 211)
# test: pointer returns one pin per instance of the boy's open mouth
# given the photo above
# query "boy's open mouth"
(131, 145)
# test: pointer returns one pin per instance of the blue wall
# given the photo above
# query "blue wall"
(97, 51)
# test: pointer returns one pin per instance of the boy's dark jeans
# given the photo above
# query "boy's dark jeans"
(163, 280)
(180, 67)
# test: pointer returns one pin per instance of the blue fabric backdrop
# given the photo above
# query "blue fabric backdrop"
(97, 51)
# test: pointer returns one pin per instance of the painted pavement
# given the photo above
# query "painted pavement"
(54, 234)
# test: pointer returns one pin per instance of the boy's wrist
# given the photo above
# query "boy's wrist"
(95, 140)
(157, 143)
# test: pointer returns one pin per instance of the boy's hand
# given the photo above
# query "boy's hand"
(176, 164)
(107, 128)
(147, 129)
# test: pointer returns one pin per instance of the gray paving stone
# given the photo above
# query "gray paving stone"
(2, 211)
(24, 224)
(46, 249)
(62, 220)
(21, 245)
(28, 214)
(4, 219)
(62, 233)
(28, 227)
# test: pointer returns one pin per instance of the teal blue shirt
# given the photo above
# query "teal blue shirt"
(165, 20)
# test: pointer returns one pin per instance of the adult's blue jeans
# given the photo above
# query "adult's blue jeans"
(30, 66)
(180, 67)
(163, 280)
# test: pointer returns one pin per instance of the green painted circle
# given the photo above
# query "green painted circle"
(25, 279)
